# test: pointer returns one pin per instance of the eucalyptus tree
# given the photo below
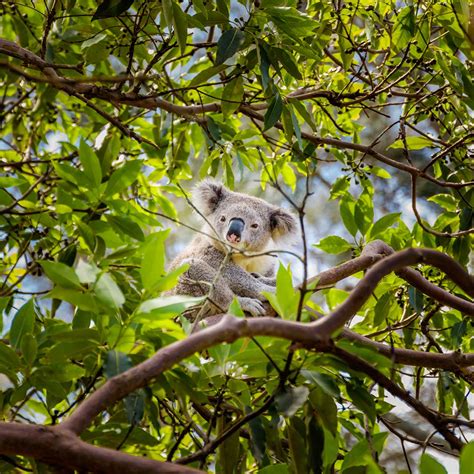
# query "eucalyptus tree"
(111, 112)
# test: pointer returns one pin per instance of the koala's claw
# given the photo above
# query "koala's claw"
(252, 305)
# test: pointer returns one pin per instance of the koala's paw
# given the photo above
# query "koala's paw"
(252, 305)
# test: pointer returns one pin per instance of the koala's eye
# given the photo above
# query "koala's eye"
(222, 219)
(254, 226)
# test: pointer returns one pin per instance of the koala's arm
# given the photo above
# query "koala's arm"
(202, 280)
(243, 283)
(264, 279)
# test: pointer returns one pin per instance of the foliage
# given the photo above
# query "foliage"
(107, 110)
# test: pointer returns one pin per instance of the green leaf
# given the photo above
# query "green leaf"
(232, 96)
(90, 163)
(291, 21)
(274, 469)
(108, 292)
(61, 274)
(285, 299)
(71, 174)
(324, 381)
(330, 449)
(8, 357)
(204, 75)
(315, 445)
(111, 8)
(383, 224)
(135, 406)
(346, 209)
(416, 298)
(458, 331)
(125, 225)
(340, 187)
(123, 178)
(446, 201)
(116, 363)
(180, 22)
(290, 399)
(362, 399)
(29, 348)
(289, 176)
(84, 301)
(229, 452)
(23, 323)
(166, 307)
(296, 441)
(360, 455)
(466, 461)
(64, 350)
(404, 28)
(86, 272)
(93, 41)
(413, 143)
(257, 438)
(288, 62)
(364, 212)
(429, 465)
(87, 234)
(380, 172)
(167, 6)
(334, 244)
(10, 181)
(273, 112)
(153, 263)
(229, 43)
(382, 309)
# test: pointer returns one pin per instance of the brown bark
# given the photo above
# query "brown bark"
(61, 448)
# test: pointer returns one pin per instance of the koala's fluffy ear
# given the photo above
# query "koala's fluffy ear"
(283, 225)
(208, 194)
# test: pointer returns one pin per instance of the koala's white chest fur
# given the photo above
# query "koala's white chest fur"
(262, 264)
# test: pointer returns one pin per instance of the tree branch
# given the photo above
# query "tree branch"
(59, 447)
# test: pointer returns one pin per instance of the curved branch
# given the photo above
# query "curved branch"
(361, 292)
(372, 253)
(59, 447)
(315, 334)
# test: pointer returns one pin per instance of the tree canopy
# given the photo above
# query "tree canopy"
(110, 112)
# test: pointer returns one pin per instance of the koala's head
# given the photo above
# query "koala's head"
(245, 222)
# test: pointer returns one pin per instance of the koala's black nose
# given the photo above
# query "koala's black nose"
(234, 233)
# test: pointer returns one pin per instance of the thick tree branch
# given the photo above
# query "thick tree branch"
(59, 447)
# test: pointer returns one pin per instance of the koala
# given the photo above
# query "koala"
(240, 226)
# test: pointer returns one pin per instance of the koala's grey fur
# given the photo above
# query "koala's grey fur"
(264, 227)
